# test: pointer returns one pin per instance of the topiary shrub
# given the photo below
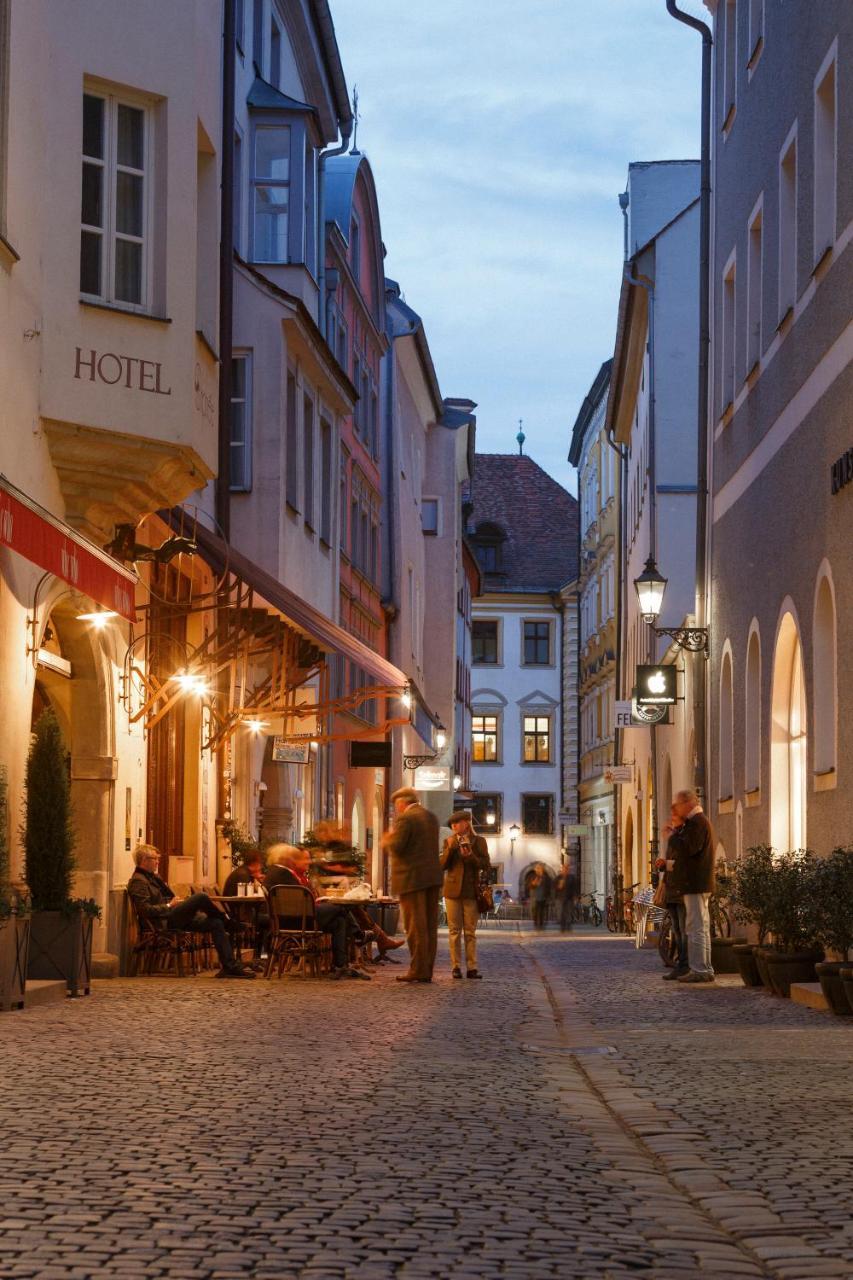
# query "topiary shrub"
(48, 833)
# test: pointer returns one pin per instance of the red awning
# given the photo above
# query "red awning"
(41, 538)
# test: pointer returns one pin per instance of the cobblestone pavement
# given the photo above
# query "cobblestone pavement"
(570, 1116)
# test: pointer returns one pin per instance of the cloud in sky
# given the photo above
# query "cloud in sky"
(500, 135)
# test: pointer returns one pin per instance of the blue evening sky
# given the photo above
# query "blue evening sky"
(500, 135)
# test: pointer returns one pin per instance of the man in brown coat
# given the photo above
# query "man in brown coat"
(416, 880)
(464, 858)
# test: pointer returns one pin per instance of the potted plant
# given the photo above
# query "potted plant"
(14, 920)
(61, 934)
(750, 901)
(791, 921)
(833, 926)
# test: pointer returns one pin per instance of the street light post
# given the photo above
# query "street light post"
(651, 588)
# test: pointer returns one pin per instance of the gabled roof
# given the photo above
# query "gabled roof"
(591, 401)
(540, 553)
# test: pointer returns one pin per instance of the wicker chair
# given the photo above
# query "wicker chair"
(157, 947)
(298, 941)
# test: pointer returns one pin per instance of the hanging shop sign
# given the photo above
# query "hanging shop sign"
(286, 752)
(619, 773)
(41, 538)
(369, 755)
(432, 777)
(657, 686)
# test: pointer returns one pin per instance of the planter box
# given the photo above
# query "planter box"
(14, 950)
(61, 948)
(829, 977)
(786, 967)
(723, 957)
(747, 965)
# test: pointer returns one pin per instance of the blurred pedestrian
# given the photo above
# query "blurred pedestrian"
(416, 880)
(568, 892)
(464, 859)
(540, 896)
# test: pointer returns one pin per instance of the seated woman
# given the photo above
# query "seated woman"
(154, 900)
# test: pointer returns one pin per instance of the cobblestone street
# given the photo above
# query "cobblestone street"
(569, 1116)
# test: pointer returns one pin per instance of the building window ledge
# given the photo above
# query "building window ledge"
(124, 311)
(752, 799)
(826, 780)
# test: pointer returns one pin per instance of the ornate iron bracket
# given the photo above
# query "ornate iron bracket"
(694, 639)
(415, 762)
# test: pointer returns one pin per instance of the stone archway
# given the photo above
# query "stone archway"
(78, 686)
(788, 740)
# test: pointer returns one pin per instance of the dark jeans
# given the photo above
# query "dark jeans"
(678, 917)
(334, 919)
(540, 914)
(567, 912)
(198, 915)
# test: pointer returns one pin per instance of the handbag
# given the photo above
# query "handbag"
(659, 898)
(485, 897)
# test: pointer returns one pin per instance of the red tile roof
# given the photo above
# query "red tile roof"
(538, 516)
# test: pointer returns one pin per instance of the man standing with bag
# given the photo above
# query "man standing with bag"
(415, 880)
(690, 864)
(464, 859)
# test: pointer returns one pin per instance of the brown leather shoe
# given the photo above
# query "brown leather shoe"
(406, 977)
(385, 943)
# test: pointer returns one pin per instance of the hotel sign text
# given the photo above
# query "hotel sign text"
(116, 370)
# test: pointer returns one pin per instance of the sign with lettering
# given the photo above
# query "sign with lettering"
(44, 540)
(657, 686)
(284, 752)
(432, 777)
(116, 370)
(619, 773)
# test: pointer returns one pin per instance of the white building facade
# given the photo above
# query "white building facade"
(523, 528)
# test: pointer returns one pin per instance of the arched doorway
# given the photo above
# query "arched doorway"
(788, 740)
(74, 679)
(527, 875)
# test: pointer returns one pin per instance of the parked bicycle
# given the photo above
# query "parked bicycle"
(587, 911)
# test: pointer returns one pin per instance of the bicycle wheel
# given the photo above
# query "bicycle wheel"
(667, 946)
(595, 913)
(611, 917)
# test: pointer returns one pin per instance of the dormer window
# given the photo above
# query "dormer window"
(488, 542)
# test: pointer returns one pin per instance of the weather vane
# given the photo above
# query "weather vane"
(354, 148)
(521, 437)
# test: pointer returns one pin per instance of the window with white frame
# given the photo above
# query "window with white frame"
(485, 738)
(726, 747)
(429, 515)
(825, 157)
(727, 346)
(241, 422)
(536, 738)
(752, 744)
(754, 288)
(788, 225)
(271, 193)
(114, 234)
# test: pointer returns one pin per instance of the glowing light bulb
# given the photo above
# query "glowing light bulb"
(406, 699)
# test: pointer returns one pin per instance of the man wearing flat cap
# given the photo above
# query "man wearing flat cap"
(415, 880)
(464, 859)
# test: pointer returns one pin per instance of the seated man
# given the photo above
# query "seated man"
(289, 865)
(154, 900)
(250, 871)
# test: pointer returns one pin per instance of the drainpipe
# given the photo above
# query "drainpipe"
(323, 303)
(226, 274)
(700, 670)
(621, 559)
(644, 283)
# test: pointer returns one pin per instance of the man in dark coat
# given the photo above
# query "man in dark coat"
(154, 900)
(690, 864)
(416, 880)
